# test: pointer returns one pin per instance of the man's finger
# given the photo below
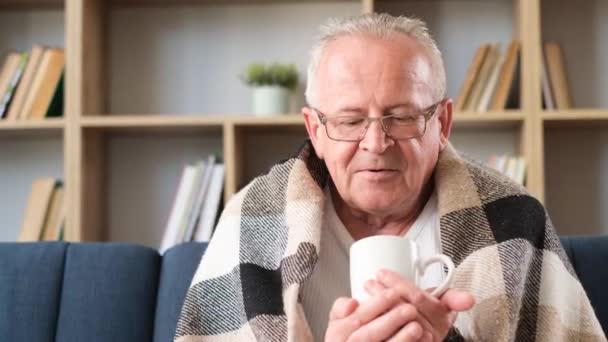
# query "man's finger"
(435, 316)
(376, 305)
(342, 308)
(387, 324)
(373, 287)
(411, 332)
(428, 305)
(458, 300)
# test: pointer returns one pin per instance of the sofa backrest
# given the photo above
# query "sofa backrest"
(588, 254)
(178, 267)
(77, 292)
(121, 292)
(31, 277)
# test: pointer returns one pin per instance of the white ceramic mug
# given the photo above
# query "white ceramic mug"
(395, 253)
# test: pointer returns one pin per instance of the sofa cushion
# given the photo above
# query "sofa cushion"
(30, 286)
(586, 254)
(109, 293)
(178, 267)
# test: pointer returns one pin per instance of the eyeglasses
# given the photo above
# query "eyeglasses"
(352, 128)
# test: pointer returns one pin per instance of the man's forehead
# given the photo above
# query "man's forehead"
(351, 60)
(345, 82)
(365, 50)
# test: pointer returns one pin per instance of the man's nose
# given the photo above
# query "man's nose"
(375, 139)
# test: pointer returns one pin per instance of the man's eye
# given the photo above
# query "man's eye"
(404, 119)
(350, 121)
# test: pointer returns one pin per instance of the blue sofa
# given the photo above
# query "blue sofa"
(122, 292)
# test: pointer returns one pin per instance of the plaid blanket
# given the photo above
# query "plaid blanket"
(503, 244)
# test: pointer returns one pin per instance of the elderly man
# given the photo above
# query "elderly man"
(379, 162)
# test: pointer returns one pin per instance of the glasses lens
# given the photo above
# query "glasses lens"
(349, 128)
(353, 128)
(404, 127)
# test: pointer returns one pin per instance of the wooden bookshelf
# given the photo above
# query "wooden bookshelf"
(576, 117)
(95, 120)
(488, 119)
(164, 3)
(52, 124)
(32, 129)
(151, 123)
(29, 4)
(173, 122)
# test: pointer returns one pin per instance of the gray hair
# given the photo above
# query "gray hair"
(381, 26)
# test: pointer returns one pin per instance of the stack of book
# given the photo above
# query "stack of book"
(196, 204)
(556, 93)
(31, 84)
(512, 167)
(45, 213)
(492, 80)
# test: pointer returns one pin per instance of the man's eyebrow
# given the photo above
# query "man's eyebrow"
(351, 110)
(406, 105)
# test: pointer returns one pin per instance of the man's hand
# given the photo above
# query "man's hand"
(436, 316)
(382, 317)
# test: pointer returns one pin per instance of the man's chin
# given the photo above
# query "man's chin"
(375, 205)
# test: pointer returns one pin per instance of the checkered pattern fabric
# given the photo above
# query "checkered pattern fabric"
(500, 238)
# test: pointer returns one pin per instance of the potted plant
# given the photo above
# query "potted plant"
(272, 85)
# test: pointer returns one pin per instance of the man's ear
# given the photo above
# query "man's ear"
(445, 121)
(315, 130)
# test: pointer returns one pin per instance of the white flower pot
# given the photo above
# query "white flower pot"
(270, 100)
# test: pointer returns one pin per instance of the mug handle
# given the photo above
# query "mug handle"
(423, 263)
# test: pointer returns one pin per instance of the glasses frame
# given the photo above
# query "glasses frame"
(426, 113)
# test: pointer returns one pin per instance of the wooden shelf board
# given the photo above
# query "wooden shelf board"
(36, 4)
(150, 121)
(47, 127)
(576, 118)
(161, 124)
(165, 3)
(188, 120)
(32, 125)
(488, 119)
(270, 121)
(170, 122)
(30, 4)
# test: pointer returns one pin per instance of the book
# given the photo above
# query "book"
(471, 77)
(191, 201)
(520, 170)
(14, 110)
(510, 168)
(55, 108)
(15, 76)
(210, 211)
(556, 68)
(37, 207)
(179, 208)
(490, 88)
(55, 216)
(45, 85)
(11, 63)
(548, 101)
(482, 79)
(199, 198)
(506, 85)
(513, 167)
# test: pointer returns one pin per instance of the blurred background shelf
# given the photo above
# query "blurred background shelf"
(488, 119)
(52, 126)
(30, 4)
(576, 117)
(154, 84)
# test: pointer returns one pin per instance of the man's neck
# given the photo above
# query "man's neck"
(361, 224)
